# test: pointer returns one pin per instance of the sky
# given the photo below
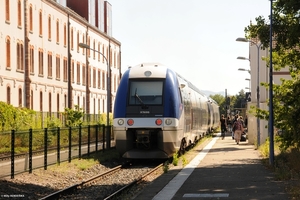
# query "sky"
(195, 38)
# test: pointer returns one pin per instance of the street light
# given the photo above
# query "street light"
(242, 58)
(258, 106)
(243, 69)
(82, 45)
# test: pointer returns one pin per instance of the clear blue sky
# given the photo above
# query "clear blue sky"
(196, 38)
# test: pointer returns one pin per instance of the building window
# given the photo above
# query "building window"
(94, 78)
(49, 27)
(20, 56)
(41, 23)
(57, 31)
(83, 41)
(98, 51)
(8, 52)
(50, 103)
(99, 78)
(65, 74)
(90, 75)
(103, 53)
(7, 10)
(20, 97)
(83, 75)
(57, 100)
(78, 73)
(99, 106)
(8, 95)
(94, 47)
(41, 62)
(72, 38)
(49, 64)
(19, 13)
(30, 18)
(65, 99)
(31, 57)
(65, 34)
(41, 101)
(103, 80)
(57, 67)
(72, 71)
(78, 41)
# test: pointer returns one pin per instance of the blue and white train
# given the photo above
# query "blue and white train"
(157, 113)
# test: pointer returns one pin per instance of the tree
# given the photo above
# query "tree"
(286, 52)
(74, 116)
(220, 99)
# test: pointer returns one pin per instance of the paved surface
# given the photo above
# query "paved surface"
(222, 170)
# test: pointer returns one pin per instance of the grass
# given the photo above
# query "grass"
(286, 166)
(87, 162)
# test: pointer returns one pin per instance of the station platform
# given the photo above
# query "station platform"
(221, 170)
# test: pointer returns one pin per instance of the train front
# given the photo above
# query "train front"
(146, 113)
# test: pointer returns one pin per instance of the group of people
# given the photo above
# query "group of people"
(235, 125)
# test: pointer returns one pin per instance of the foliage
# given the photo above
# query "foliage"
(15, 118)
(175, 159)
(74, 116)
(234, 102)
(166, 167)
(103, 119)
(220, 99)
(53, 122)
(286, 53)
(184, 161)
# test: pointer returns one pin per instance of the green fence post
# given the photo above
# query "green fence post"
(58, 145)
(79, 150)
(12, 158)
(30, 151)
(89, 139)
(70, 143)
(96, 138)
(45, 148)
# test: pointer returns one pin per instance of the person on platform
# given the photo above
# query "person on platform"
(223, 124)
(232, 123)
(238, 129)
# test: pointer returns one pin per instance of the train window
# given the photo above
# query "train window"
(146, 92)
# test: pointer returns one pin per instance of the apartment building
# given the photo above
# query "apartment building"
(43, 67)
(260, 74)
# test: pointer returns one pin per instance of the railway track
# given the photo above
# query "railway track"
(108, 185)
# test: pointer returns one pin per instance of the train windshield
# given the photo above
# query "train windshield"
(146, 92)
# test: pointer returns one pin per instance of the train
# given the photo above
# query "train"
(157, 113)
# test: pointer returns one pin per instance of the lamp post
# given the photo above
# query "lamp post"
(271, 112)
(257, 89)
(82, 45)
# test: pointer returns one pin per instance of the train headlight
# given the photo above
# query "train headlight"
(168, 121)
(130, 122)
(120, 122)
(158, 122)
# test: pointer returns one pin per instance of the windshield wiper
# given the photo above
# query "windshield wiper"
(137, 96)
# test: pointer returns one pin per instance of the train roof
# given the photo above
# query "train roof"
(160, 71)
(145, 70)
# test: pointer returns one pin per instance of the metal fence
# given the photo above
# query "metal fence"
(23, 151)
